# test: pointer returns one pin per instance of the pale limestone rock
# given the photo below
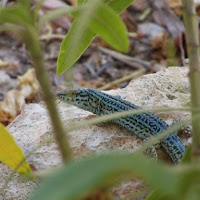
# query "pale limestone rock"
(167, 88)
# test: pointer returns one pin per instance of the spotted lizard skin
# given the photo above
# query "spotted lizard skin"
(144, 125)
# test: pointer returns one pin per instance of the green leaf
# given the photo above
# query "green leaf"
(80, 178)
(10, 153)
(187, 157)
(15, 15)
(77, 38)
(190, 178)
(101, 20)
(80, 2)
(156, 195)
(110, 28)
(117, 5)
(69, 50)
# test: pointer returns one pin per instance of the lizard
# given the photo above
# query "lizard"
(144, 125)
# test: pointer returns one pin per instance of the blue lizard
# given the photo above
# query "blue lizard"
(144, 125)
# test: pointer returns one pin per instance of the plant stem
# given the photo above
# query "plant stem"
(192, 38)
(123, 79)
(32, 41)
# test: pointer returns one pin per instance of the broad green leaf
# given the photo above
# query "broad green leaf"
(110, 28)
(101, 20)
(76, 39)
(10, 153)
(80, 178)
(68, 54)
(117, 5)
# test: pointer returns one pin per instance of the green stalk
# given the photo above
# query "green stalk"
(192, 39)
(32, 42)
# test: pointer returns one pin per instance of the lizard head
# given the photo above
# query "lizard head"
(76, 97)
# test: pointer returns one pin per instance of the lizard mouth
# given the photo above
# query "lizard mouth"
(66, 95)
(61, 95)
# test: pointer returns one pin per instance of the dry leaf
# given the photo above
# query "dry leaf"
(15, 99)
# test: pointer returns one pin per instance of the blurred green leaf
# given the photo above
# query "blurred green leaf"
(15, 15)
(187, 157)
(80, 2)
(193, 193)
(117, 5)
(190, 176)
(156, 195)
(69, 53)
(80, 178)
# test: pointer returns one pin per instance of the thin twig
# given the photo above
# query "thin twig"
(125, 78)
(133, 62)
(117, 115)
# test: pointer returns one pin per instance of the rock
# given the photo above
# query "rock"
(167, 88)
